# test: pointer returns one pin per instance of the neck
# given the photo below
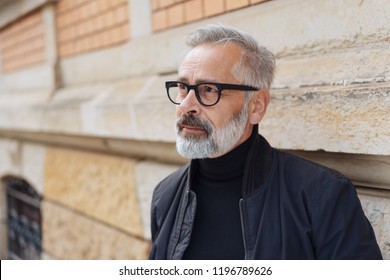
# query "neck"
(227, 166)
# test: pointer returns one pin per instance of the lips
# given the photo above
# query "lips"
(190, 124)
(189, 127)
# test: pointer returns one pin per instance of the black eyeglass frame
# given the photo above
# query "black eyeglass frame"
(220, 87)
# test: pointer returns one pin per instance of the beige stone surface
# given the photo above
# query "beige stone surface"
(62, 119)
(9, 157)
(155, 120)
(3, 223)
(67, 234)
(364, 170)
(32, 78)
(116, 119)
(20, 117)
(33, 164)
(343, 64)
(97, 185)
(148, 175)
(46, 256)
(3, 241)
(377, 210)
(352, 119)
(3, 204)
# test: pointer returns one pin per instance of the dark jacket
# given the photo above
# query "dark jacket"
(291, 208)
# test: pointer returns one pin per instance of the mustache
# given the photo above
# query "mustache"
(191, 120)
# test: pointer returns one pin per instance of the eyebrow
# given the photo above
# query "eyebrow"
(184, 80)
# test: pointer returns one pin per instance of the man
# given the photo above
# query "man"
(239, 198)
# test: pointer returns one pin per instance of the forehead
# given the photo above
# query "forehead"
(210, 63)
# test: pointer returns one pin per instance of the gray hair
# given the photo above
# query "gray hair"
(257, 64)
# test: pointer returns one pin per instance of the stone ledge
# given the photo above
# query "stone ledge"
(352, 119)
(349, 119)
(157, 151)
(68, 235)
(364, 170)
(342, 65)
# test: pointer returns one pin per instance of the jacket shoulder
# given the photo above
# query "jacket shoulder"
(295, 165)
(166, 190)
(311, 180)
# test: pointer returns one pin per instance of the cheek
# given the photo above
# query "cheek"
(217, 118)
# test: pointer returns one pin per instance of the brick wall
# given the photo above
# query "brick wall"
(88, 25)
(22, 42)
(169, 13)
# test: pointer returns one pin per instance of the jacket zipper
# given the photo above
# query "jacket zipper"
(242, 227)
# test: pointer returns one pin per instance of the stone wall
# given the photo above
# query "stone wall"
(91, 128)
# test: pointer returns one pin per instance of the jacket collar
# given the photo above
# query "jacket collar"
(258, 164)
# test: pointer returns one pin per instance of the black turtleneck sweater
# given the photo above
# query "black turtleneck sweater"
(217, 232)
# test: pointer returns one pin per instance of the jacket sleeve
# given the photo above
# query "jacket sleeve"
(340, 229)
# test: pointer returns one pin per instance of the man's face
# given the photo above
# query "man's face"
(204, 131)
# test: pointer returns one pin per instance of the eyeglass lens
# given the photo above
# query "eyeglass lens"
(208, 93)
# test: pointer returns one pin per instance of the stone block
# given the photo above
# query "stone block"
(62, 119)
(148, 175)
(33, 164)
(3, 204)
(46, 256)
(155, 120)
(155, 88)
(3, 241)
(9, 157)
(377, 210)
(350, 119)
(97, 185)
(351, 63)
(107, 64)
(70, 235)
(20, 117)
(36, 77)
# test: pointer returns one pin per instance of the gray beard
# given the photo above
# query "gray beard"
(217, 141)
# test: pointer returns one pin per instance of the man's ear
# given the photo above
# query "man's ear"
(258, 106)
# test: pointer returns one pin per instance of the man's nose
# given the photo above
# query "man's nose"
(190, 103)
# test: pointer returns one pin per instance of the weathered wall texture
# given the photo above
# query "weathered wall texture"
(90, 127)
(377, 210)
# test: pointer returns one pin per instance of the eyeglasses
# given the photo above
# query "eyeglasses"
(208, 94)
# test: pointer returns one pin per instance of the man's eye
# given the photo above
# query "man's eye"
(209, 89)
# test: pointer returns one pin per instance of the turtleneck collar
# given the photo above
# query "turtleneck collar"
(228, 166)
